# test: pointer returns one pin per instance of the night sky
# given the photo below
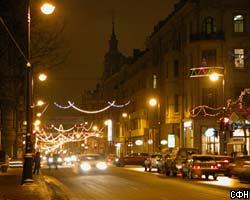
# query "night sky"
(89, 24)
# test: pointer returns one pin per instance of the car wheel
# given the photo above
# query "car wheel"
(215, 177)
(206, 175)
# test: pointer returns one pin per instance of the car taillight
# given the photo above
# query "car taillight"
(214, 167)
(196, 166)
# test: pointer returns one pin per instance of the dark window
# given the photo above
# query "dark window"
(208, 25)
(176, 103)
(176, 68)
(238, 23)
(209, 97)
(209, 56)
(135, 124)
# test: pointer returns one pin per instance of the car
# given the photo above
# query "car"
(90, 163)
(223, 162)
(152, 161)
(54, 160)
(200, 164)
(239, 165)
(175, 159)
(132, 159)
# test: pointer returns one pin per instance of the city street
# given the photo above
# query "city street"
(129, 183)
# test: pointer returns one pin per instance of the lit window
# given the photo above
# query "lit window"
(238, 23)
(154, 81)
(239, 58)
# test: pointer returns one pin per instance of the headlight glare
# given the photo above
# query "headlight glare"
(101, 165)
(85, 166)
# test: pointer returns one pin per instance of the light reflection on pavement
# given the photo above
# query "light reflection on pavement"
(222, 181)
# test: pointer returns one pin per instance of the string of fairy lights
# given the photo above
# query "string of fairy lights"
(51, 137)
(110, 104)
(205, 110)
(55, 137)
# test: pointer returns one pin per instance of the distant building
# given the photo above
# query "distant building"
(199, 36)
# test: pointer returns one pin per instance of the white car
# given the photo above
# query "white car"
(152, 161)
(89, 162)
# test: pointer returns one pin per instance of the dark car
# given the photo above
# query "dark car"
(200, 165)
(132, 159)
(223, 164)
(239, 166)
(173, 162)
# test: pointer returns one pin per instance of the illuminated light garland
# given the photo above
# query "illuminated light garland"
(240, 99)
(205, 71)
(204, 110)
(111, 104)
(61, 129)
(119, 106)
(63, 107)
(91, 112)
(221, 110)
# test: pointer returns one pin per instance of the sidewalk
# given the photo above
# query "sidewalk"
(11, 188)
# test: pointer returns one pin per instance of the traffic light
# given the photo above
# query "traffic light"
(224, 124)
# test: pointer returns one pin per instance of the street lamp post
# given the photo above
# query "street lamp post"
(153, 102)
(28, 156)
(223, 134)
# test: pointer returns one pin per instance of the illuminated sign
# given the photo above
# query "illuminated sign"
(171, 141)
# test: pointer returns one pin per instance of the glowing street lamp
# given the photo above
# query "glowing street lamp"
(47, 8)
(40, 103)
(152, 102)
(124, 115)
(28, 156)
(38, 114)
(214, 76)
(42, 77)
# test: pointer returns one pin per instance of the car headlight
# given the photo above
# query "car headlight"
(73, 158)
(117, 159)
(85, 166)
(67, 159)
(50, 160)
(101, 165)
(59, 159)
(178, 166)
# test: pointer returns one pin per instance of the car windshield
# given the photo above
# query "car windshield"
(90, 157)
(156, 156)
(223, 159)
(203, 159)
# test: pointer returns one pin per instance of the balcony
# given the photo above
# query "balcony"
(206, 36)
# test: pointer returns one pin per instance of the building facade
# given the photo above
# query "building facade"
(12, 76)
(200, 37)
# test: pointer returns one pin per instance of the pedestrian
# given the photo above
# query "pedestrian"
(55, 160)
(37, 163)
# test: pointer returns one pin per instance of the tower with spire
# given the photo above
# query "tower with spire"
(113, 58)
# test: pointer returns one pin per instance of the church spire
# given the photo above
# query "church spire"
(113, 42)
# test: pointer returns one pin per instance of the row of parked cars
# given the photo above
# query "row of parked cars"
(188, 163)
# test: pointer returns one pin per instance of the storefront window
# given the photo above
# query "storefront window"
(189, 134)
(210, 144)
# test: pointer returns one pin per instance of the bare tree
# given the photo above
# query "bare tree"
(48, 45)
